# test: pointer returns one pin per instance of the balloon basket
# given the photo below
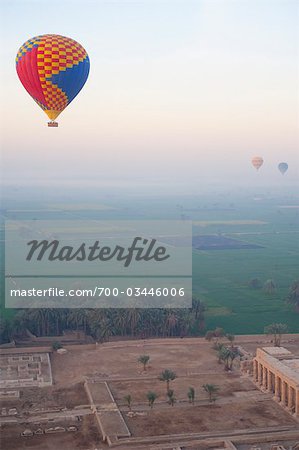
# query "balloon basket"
(52, 124)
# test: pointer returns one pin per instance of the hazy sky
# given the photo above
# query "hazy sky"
(177, 89)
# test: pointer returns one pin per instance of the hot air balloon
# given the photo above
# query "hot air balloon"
(283, 167)
(257, 162)
(53, 69)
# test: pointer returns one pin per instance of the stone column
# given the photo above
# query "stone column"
(277, 393)
(259, 373)
(283, 393)
(264, 377)
(255, 370)
(290, 398)
(269, 381)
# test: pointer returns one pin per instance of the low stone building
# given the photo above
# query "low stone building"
(276, 370)
(21, 368)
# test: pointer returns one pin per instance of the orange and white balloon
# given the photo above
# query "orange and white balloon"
(257, 162)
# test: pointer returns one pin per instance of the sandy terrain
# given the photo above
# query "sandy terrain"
(208, 418)
(239, 405)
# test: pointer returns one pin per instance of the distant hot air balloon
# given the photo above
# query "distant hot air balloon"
(283, 167)
(53, 69)
(257, 162)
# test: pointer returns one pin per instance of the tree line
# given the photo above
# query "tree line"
(270, 287)
(101, 324)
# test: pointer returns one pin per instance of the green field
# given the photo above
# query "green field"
(220, 277)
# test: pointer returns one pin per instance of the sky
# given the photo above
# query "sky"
(178, 90)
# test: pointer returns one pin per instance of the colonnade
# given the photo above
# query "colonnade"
(273, 382)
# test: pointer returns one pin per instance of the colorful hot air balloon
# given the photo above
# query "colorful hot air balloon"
(257, 162)
(283, 167)
(53, 69)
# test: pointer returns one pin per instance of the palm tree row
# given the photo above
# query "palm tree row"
(210, 389)
(270, 287)
(103, 323)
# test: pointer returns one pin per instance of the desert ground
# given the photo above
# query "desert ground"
(239, 406)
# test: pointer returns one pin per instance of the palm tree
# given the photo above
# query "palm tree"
(209, 335)
(18, 325)
(211, 390)
(224, 355)
(198, 309)
(120, 322)
(60, 320)
(154, 321)
(128, 399)
(171, 397)
(270, 286)
(185, 322)
(171, 323)
(230, 338)
(277, 330)
(219, 333)
(191, 395)
(168, 376)
(234, 353)
(100, 324)
(293, 295)
(106, 330)
(78, 318)
(133, 317)
(151, 397)
(42, 320)
(144, 359)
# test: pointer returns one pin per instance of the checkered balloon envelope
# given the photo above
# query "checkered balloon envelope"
(53, 69)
